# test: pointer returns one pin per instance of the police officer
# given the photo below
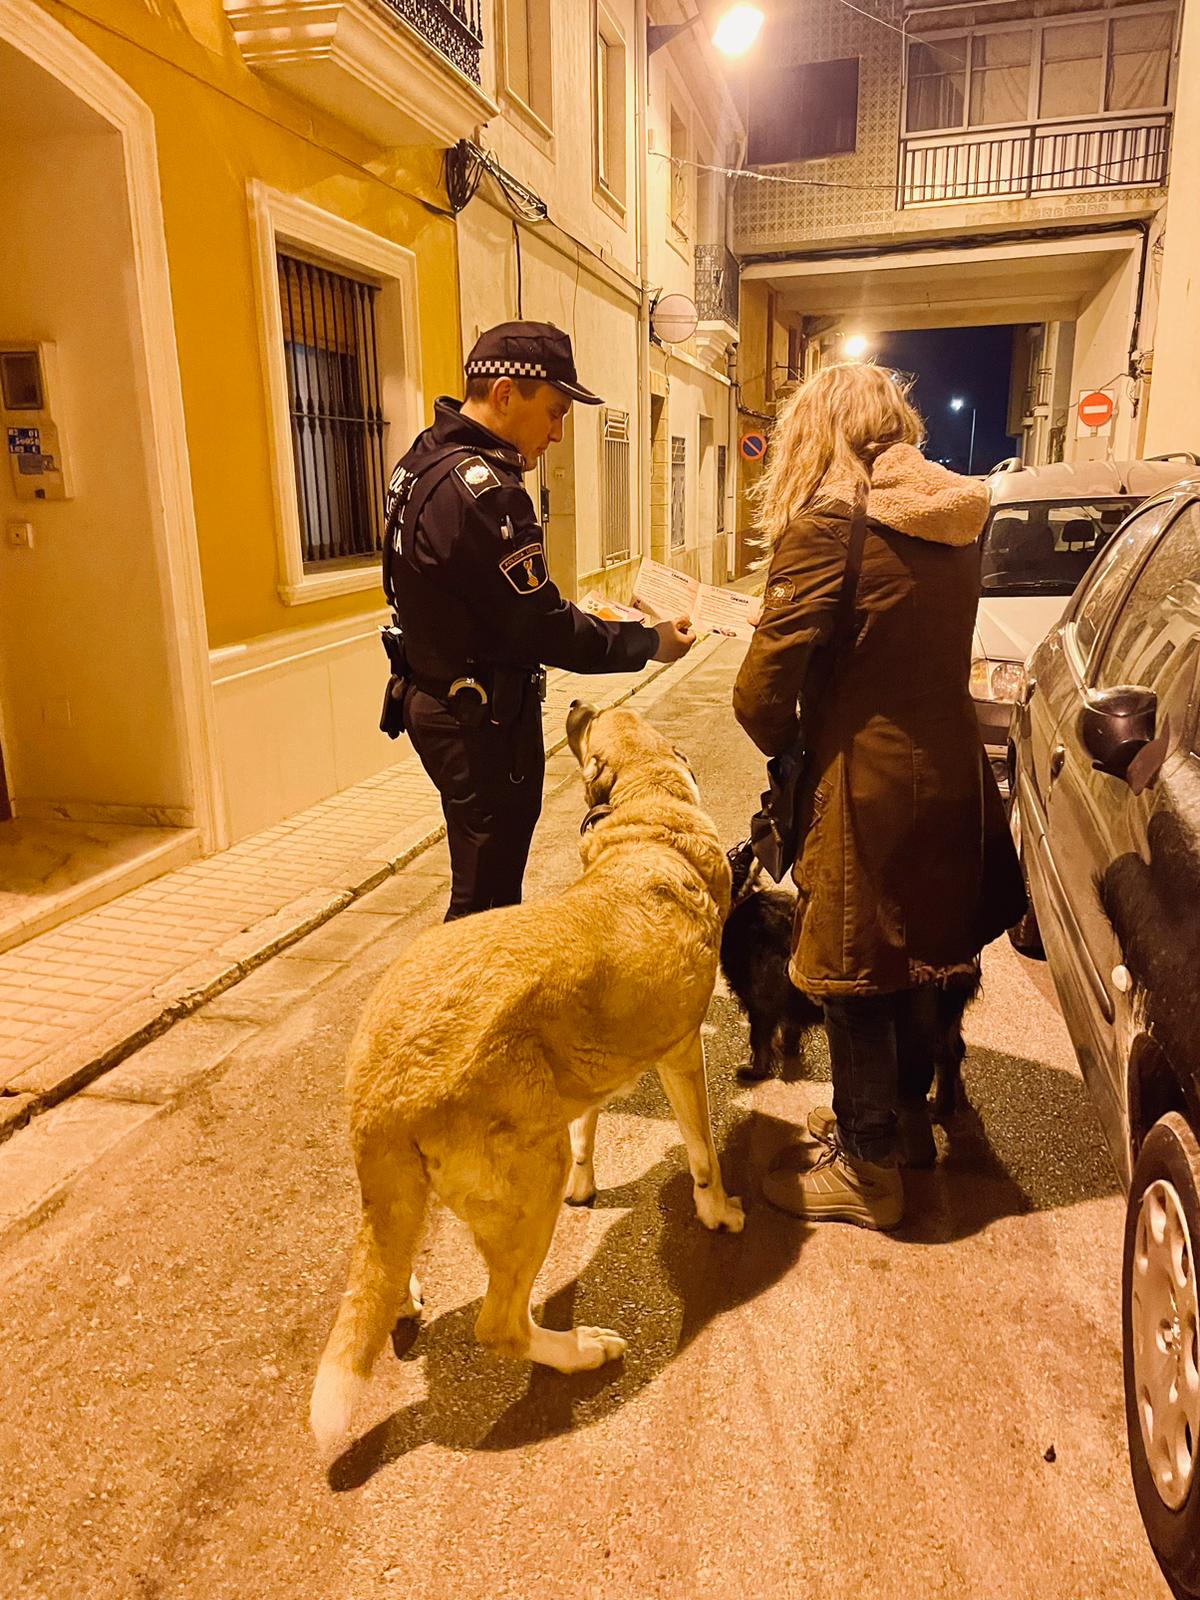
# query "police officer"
(465, 572)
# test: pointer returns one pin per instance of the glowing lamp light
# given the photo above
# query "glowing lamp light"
(957, 403)
(737, 30)
(855, 346)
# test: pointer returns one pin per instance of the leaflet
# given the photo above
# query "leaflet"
(599, 605)
(664, 594)
(726, 611)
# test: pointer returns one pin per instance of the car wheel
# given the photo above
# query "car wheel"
(1024, 936)
(1162, 1347)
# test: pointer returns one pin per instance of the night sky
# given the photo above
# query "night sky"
(972, 362)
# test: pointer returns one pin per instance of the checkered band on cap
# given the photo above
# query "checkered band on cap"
(506, 369)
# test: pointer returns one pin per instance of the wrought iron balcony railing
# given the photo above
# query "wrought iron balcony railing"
(1043, 158)
(452, 27)
(717, 275)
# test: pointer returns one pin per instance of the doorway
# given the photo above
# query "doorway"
(711, 567)
(660, 480)
(99, 775)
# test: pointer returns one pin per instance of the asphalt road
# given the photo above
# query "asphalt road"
(801, 1411)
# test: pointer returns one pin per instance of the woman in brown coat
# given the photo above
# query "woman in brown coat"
(905, 869)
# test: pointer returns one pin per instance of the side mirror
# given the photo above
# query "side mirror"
(1116, 724)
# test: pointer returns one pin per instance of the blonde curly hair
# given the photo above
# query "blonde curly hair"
(825, 441)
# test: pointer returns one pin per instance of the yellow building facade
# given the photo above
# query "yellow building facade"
(186, 649)
(234, 283)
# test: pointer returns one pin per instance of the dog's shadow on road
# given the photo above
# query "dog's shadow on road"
(1029, 1141)
(657, 1276)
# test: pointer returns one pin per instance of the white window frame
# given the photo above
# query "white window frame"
(282, 222)
(1036, 27)
(537, 122)
(680, 236)
(607, 34)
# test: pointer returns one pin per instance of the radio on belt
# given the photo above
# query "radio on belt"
(28, 394)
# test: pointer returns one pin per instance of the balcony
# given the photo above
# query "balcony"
(397, 71)
(453, 27)
(1016, 163)
(717, 279)
(717, 284)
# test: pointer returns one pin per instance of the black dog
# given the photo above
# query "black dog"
(755, 946)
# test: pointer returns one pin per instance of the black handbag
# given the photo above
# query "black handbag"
(775, 826)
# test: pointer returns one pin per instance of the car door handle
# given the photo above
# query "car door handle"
(1057, 756)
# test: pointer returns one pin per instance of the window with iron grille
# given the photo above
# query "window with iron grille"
(678, 491)
(614, 487)
(722, 468)
(337, 421)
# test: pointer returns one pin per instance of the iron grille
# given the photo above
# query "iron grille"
(722, 471)
(678, 491)
(614, 488)
(453, 27)
(717, 275)
(334, 400)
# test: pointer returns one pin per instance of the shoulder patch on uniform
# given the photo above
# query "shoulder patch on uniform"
(476, 476)
(780, 592)
(526, 569)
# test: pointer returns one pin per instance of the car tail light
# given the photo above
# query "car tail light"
(995, 680)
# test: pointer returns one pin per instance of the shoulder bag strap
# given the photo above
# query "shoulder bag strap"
(844, 626)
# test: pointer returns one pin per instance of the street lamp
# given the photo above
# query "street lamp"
(959, 404)
(735, 30)
(855, 346)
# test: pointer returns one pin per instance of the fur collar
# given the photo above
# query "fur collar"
(915, 496)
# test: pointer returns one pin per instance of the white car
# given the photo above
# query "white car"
(1046, 527)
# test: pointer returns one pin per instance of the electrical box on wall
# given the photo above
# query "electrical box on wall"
(36, 455)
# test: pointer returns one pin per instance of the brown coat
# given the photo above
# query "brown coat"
(906, 869)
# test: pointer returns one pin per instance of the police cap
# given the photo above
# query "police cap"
(529, 350)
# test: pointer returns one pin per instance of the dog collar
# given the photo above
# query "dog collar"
(594, 816)
(750, 886)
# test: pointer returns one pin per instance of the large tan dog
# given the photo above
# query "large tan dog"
(492, 1034)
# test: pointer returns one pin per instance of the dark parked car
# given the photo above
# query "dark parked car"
(1105, 763)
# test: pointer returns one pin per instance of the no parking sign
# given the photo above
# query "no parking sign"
(753, 446)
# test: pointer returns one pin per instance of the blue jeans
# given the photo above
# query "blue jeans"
(881, 1047)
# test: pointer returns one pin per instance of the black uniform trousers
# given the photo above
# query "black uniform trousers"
(490, 780)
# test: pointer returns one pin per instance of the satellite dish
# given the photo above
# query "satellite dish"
(674, 319)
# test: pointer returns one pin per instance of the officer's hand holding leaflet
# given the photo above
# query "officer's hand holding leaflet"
(675, 639)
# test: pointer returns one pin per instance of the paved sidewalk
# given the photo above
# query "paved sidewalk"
(79, 999)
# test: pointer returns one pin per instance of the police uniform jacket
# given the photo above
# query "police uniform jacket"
(467, 574)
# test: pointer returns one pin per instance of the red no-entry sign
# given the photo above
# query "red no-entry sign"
(1096, 409)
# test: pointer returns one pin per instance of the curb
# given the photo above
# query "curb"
(73, 1067)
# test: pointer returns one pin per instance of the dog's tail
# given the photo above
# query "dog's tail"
(380, 1289)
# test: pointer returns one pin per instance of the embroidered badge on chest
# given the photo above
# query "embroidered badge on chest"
(475, 475)
(525, 569)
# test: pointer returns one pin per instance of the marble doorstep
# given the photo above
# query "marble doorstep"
(51, 871)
